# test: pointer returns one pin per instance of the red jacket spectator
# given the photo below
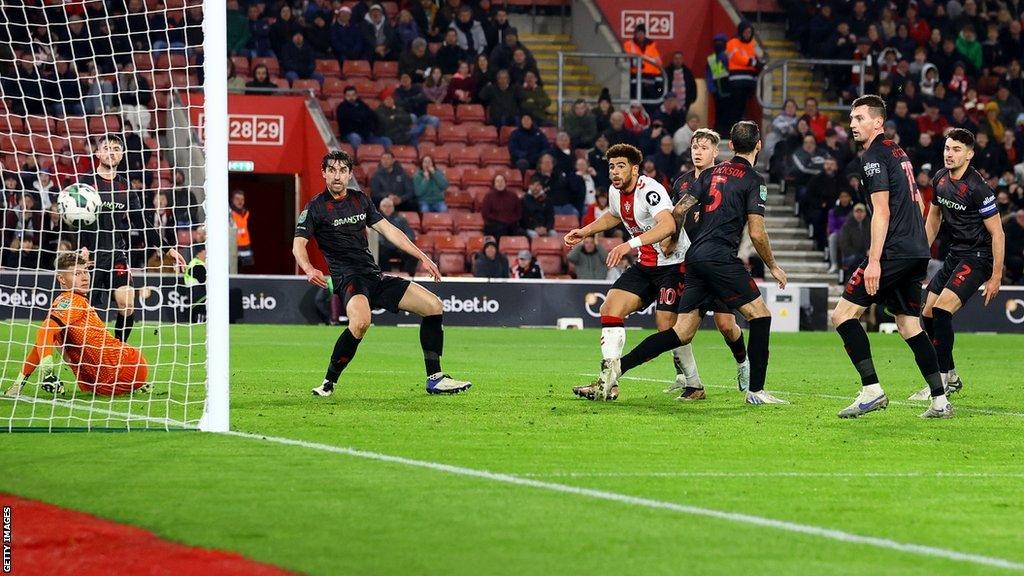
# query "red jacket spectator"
(932, 122)
(636, 118)
(919, 29)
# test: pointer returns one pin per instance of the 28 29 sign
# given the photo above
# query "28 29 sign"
(256, 129)
(660, 23)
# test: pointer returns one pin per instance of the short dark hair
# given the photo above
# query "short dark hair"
(744, 135)
(631, 153)
(350, 88)
(68, 260)
(961, 135)
(874, 103)
(336, 156)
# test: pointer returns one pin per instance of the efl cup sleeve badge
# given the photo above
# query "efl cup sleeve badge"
(764, 192)
(302, 216)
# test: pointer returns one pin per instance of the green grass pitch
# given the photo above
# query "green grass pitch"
(949, 484)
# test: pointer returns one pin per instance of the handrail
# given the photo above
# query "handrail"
(785, 64)
(639, 60)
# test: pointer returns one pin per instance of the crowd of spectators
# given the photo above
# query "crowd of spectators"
(937, 65)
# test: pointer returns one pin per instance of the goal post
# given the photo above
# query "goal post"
(145, 344)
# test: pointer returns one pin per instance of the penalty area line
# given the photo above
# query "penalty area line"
(736, 517)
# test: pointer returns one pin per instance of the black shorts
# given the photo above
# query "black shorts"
(653, 283)
(899, 289)
(717, 286)
(110, 275)
(963, 275)
(383, 290)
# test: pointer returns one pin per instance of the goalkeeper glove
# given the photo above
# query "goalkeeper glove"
(19, 383)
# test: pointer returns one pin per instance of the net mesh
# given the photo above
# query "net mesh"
(90, 93)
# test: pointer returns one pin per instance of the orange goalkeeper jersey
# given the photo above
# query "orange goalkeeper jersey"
(88, 348)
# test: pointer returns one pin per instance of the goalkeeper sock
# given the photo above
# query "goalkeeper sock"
(344, 351)
(613, 337)
(859, 350)
(432, 342)
(123, 326)
(739, 351)
(927, 362)
(760, 332)
(686, 365)
(652, 346)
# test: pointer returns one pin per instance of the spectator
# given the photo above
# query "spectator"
(162, 219)
(243, 238)
(783, 125)
(357, 123)
(927, 153)
(257, 46)
(986, 156)
(581, 125)
(906, 127)
(66, 95)
(347, 37)
(969, 48)
(482, 73)
(991, 124)
(235, 82)
(563, 154)
(931, 122)
(717, 76)
(961, 120)
(1004, 204)
(416, 61)
(526, 266)
(1014, 230)
(650, 138)
(45, 188)
(562, 199)
(837, 216)
(649, 169)
(617, 133)
(237, 27)
(808, 160)
(636, 118)
(489, 263)
(390, 181)
(502, 56)
(681, 85)
(500, 99)
(396, 124)
(428, 19)
(407, 30)
(581, 184)
(462, 86)
(588, 260)
(501, 209)
(854, 239)
(436, 87)
(386, 251)
(298, 61)
(538, 217)
(670, 114)
(183, 200)
(380, 36)
(929, 79)
(681, 138)
(745, 62)
(603, 111)
(283, 29)
(521, 65)
(260, 82)
(497, 29)
(471, 37)
(665, 159)
(526, 143)
(429, 184)
(98, 92)
(816, 121)
(1010, 107)
(450, 54)
(599, 162)
(651, 80)
(318, 36)
(532, 99)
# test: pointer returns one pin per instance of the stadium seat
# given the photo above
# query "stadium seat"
(479, 177)
(73, 125)
(334, 87)
(171, 61)
(547, 245)
(413, 218)
(437, 222)
(365, 87)
(475, 244)
(465, 155)
(404, 153)
(309, 84)
(469, 222)
(443, 111)
(608, 243)
(450, 244)
(356, 69)
(371, 103)
(495, 156)
(451, 264)
(566, 222)
(470, 113)
(347, 148)
(550, 264)
(504, 134)
(329, 67)
(279, 82)
(330, 107)
(513, 177)
(39, 124)
(273, 66)
(458, 199)
(454, 175)
(425, 242)
(478, 193)
(369, 153)
(241, 65)
(144, 61)
(438, 152)
(363, 171)
(385, 70)
(513, 244)
(10, 123)
(550, 132)
(481, 134)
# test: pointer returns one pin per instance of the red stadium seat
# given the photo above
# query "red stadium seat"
(479, 177)
(356, 69)
(74, 125)
(470, 113)
(241, 65)
(365, 87)
(457, 199)
(451, 133)
(438, 153)
(475, 244)
(385, 70)
(273, 66)
(550, 264)
(513, 244)
(39, 124)
(144, 61)
(437, 222)
(425, 242)
(451, 264)
(504, 134)
(330, 107)
(513, 177)
(478, 193)
(334, 87)
(369, 153)
(309, 84)
(429, 135)
(547, 245)
(450, 244)
(11, 124)
(171, 60)
(329, 67)
(495, 156)
(405, 154)
(466, 155)
(469, 222)
(413, 218)
(566, 222)
(481, 134)
(279, 82)
(454, 175)
(443, 111)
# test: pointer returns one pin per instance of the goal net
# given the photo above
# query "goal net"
(91, 100)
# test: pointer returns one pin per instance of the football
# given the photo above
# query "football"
(78, 204)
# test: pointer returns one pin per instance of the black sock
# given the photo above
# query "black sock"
(760, 331)
(344, 351)
(123, 326)
(739, 351)
(652, 346)
(857, 346)
(432, 342)
(943, 339)
(928, 323)
(924, 354)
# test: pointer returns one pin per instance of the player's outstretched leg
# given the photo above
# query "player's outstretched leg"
(617, 305)
(846, 319)
(733, 335)
(424, 303)
(687, 378)
(358, 312)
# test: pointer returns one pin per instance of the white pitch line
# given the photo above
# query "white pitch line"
(831, 396)
(817, 531)
(78, 406)
(724, 474)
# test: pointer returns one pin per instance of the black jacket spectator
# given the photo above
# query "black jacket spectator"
(526, 144)
(318, 36)
(394, 183)
(489, 263)
(298, 57)
(380, 37)
(416, 60)
(501, 102)
(450, 54)
(347, 38)
(410, 97)
(538, 212)
(283, 29)
(356, 117)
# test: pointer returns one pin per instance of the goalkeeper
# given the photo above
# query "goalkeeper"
(102, 364)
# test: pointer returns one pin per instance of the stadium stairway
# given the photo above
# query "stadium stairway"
(579, 80)
(778, 47)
